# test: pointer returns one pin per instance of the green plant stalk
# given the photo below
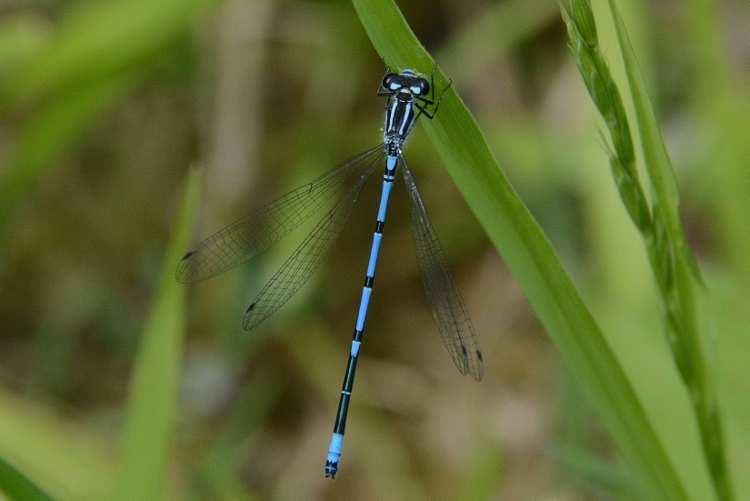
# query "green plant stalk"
(152, 410)
(695, 368)
(530, 256)
(673, 265)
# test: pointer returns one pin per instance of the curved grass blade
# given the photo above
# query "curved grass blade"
(445, 301)
(308, 256)
(255, 232)
(462, 147)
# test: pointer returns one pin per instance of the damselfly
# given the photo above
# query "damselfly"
(407, 94)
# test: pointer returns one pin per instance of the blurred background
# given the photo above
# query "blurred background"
(105, 105)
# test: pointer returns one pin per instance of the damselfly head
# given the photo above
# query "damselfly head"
(407, 81)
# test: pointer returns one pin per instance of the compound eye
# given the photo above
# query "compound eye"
(420, 87)
(391, 82)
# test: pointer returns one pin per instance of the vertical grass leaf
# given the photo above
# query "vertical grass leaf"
(152, 410)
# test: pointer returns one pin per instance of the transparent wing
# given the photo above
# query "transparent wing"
(257, 231)
(308, 256)
(445, 301)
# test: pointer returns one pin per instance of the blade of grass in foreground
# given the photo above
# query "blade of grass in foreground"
(530, 257)
(16, 485)
(154, 390)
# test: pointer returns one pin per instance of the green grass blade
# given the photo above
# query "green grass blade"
(16, 485)
(529, 255)
(154, 392)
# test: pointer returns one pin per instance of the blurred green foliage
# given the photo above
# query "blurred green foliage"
(104, 106)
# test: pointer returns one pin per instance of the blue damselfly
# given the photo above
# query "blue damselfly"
(407, 94)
